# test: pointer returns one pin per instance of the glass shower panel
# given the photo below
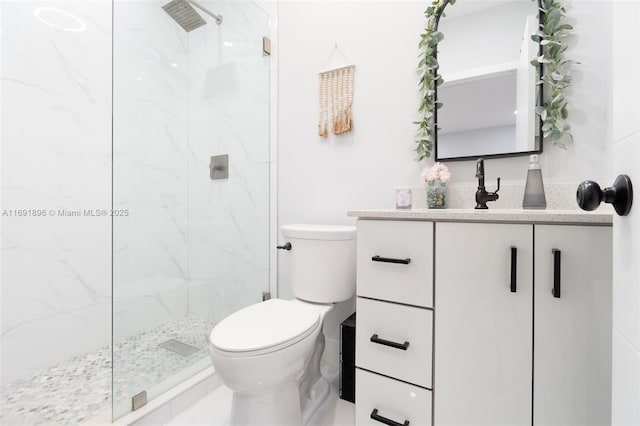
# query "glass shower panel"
(228, 115)
(187, 250)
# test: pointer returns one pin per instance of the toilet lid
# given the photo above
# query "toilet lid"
(319, 232)
(264, 325)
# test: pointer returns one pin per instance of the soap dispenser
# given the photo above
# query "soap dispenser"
(534, 189)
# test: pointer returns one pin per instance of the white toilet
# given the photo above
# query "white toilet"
(269, 353)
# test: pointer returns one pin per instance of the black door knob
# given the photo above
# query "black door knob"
(620, 194)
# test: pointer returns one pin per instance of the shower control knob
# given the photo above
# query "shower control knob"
(620, 194)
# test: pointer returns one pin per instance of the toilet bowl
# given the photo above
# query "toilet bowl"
(269, 353)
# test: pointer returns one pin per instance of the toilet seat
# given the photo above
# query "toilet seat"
(264, 327)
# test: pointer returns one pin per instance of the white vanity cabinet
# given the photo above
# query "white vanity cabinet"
(491, 342)
(494, 345)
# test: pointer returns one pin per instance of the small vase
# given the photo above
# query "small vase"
(436, 194)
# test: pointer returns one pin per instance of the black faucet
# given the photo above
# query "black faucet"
(482, 196)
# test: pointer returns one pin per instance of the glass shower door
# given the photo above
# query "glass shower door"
(190, 244)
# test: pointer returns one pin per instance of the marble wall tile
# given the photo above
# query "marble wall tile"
(56, 144)
(144, 311)
(46, 341)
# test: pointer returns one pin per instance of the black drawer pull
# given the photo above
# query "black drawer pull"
(377, 417)
(514, 268)
(556, 273)
(391, 260)
(376, 339)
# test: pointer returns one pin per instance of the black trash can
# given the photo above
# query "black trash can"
(348, 359)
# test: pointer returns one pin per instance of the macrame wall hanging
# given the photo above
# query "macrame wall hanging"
(336, 99)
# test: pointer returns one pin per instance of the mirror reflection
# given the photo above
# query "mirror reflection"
(489, 89)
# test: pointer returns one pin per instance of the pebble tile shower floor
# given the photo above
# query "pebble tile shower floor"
(77, 390)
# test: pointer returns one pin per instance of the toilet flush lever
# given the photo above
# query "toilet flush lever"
(287, 246)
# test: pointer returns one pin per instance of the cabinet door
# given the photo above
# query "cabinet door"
(572, 339)
(483, 331)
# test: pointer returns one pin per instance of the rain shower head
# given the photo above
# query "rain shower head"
(185, 15)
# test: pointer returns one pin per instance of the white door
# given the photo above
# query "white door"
(572, 338)
(625, 117)
(483, 329)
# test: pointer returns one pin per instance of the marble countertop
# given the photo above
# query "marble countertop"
(576, 217)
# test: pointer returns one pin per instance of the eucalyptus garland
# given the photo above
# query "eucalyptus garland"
(429, 78)
(556, 74)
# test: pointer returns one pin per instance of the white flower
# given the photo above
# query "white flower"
(438, 172)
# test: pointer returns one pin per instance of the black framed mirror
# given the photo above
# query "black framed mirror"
(490, 89)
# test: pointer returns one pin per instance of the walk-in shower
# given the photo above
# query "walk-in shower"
(128, 252)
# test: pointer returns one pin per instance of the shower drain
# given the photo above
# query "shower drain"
(179, 347)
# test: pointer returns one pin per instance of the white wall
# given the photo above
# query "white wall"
(56, 147)
(320, 179)
(625, 107)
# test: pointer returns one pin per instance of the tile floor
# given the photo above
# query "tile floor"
(213, 410)
(69, 393)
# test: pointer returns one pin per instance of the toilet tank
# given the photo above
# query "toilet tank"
(322, 261)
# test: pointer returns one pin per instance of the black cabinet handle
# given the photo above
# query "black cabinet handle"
(514, 268)
(376, 339)
(377, 417)
(556, 273)
(391, 260)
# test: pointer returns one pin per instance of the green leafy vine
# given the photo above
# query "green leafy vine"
(556, 75)
(429, 78)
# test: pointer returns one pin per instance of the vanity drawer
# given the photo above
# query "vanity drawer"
(388, 324)
(393, 400)
(382, 241)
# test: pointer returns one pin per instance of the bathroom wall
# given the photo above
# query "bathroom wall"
(625, 107)
(56, 145)
(319, 179)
